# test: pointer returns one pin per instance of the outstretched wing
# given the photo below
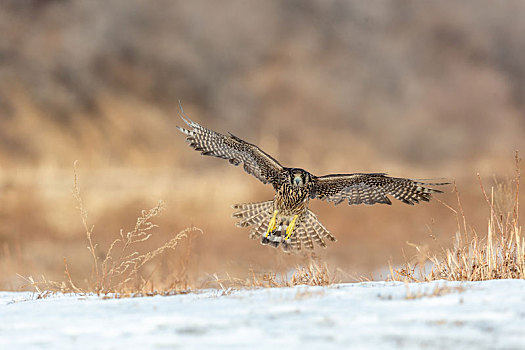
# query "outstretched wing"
(237, 151)
(370, 189)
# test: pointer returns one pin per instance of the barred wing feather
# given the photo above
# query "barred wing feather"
(235, 150)
(370, 189)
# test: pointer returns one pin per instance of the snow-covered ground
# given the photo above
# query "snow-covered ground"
(373, 315)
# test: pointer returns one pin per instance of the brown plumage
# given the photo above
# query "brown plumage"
(286, 220)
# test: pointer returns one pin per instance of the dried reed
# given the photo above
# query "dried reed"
(499, 255)
(312, 273)
(118, 273)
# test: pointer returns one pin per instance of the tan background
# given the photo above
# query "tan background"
(416, 89)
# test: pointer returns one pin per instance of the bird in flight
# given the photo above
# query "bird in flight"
(286, 220)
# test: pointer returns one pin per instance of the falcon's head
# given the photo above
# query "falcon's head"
(299, 177)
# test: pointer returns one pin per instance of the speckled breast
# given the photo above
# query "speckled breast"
(291, 200)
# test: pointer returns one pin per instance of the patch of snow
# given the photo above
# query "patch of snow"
(370, 315)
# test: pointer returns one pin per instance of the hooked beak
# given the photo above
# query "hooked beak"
(297, 180)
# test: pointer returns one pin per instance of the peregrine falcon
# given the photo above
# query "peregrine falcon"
(286, 220)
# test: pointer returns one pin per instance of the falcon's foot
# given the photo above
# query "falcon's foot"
(272, 225)
(291, 226)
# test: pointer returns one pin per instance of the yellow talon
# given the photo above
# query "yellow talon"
(290, 228)
(271, 226)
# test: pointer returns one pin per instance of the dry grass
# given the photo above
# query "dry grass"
(120, 272)
(498, 255)
(434, 291)
(313, 273)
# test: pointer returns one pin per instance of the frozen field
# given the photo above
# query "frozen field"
(373, 315)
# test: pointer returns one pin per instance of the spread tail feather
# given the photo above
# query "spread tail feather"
(308, 229)
(257, 215)
(314, 230)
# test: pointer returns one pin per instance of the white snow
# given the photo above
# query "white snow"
(371, 315)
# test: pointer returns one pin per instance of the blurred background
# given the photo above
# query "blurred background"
(416, 89)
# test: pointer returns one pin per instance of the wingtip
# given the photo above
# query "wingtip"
(441, 181)
(184, 117)
(184, 131)
(187, 121)
(430, 183)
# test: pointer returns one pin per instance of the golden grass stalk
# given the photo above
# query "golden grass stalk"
(118, 273)
(313, 273)
(499, 255)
